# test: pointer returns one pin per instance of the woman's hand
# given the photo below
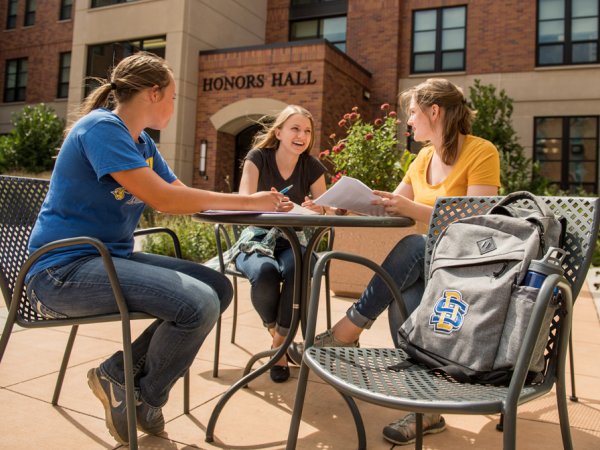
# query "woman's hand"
(284, 204)
(394, 205)
(266, 201)
(310, 204)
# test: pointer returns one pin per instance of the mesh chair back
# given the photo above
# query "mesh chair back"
(582, 219)
(20, 203)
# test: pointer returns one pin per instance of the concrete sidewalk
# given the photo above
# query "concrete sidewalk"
(258, 417)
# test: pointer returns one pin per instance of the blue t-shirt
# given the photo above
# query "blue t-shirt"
(84, 200)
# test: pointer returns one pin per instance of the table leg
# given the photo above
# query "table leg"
(300, 284)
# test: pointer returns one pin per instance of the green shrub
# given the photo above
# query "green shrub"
(369, 151)
(494, 123)
(197, 239)
(33, 142)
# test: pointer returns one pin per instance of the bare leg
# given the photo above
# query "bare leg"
(345, 331)
(277, 341)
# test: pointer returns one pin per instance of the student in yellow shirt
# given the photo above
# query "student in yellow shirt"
(452, 163)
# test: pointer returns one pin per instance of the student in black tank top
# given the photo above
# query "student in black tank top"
(280, 158)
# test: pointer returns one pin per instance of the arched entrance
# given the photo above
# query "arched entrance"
(236, 124)
(243, 144)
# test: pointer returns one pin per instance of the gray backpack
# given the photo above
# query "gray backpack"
(474, 312)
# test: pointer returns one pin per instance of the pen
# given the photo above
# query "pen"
(285, 190)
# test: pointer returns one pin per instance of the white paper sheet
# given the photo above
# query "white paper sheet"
(353, 195)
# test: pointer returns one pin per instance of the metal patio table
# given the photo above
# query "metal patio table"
(288, 224)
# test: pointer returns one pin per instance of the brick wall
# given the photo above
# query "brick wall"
(40, 43)
(327, 83)
(504, 44)
(278, 24)
(372, 40)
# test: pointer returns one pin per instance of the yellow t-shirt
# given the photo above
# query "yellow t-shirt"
(478, 163)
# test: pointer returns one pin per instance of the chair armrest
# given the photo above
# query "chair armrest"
(156, 230)
(104, 254)
(536, 322)
(318, 274)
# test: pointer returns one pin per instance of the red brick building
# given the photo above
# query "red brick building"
(236, 62)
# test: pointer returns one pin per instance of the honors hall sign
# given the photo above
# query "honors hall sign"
(276, 79)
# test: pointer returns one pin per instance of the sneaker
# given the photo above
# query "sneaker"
(113, 399)
(150, 420)
(327, 339)
(404, 430)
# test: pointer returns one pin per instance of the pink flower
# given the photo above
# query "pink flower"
(342, 122)
(369, 136)
(336, 149)
(385, 106)
(392, 114)
(332, 136)
(347, 116)
(353, 116)
(378, 122)
(324, 154)
(355, 108)
(342, 146)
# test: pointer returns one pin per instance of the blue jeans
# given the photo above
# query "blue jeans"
(186, 298)
(271, 284)
(405, 263)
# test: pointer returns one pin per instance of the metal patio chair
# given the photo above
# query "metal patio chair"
(364, 373)
(20, 202)
(224, 240)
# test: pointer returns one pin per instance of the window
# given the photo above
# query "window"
(66, 9)
(567, 32)
(64, 67)
(567, 149)
(29, 12)
(319, 19)
(333, 29)
(439, 40)
(100, 3)
(101, 58)
(11, 16)
(15, 80)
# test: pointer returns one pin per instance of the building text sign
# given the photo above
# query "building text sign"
(248, 81)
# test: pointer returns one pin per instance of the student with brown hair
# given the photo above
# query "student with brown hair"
(107, 170)
(452, 163)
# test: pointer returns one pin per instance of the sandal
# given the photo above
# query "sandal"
(404, 430)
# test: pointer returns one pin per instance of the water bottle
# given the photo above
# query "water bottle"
(539, 269)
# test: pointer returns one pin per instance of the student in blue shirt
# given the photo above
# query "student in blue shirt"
(107, 170)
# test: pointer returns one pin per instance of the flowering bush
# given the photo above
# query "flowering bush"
(369, 151)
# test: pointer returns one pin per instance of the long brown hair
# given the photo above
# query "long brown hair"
(131, 75)
(267, 138)
(458, 117)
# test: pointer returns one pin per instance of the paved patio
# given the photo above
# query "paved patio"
(258, 417)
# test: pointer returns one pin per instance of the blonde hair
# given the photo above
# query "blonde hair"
(131, 75)
(458, 117)
(267, 139)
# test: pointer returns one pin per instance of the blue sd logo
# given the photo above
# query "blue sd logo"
(449, 312)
